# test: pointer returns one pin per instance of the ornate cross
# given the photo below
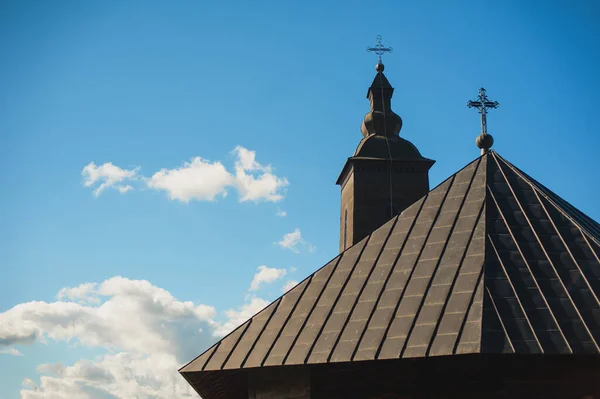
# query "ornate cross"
(379, 49)
(483, 104)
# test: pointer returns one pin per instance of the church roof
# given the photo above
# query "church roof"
(490, 262)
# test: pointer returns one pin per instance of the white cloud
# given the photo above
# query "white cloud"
(293, 241)
(147, 332)
(83, 293)
(247, 160)
(10, 351)
(108, 175)
(120, 375)
(265, 275)
(281, 213)
(236, 317)
(256, 182)
(196, 180)
(199, 179)
(124, 189)
(137, 316)
(289, 285)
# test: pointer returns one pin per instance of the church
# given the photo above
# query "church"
(486, 286)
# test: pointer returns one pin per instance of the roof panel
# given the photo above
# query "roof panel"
(198, 363)
(351, 296)
(250, 337)
(543, 251)
(379, 284)
(275, 325)
(319, 316)
(225, 347)
(300, 314)
(432, 305)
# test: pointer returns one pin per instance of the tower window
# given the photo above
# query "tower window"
(345, 228)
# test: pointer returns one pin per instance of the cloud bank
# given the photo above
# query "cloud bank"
(147, 333)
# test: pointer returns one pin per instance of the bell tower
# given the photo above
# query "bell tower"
(386, 174)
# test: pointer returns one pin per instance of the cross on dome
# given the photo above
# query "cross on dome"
(379, 49)
(482, 104)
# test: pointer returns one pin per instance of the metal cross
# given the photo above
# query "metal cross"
(483, 104)
(379, 49)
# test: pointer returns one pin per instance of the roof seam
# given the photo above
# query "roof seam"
(514, 194)
(362, 289)
(460, 264)
(244, 327)
(259, 334)
(515, 292)
(489, 294)
(591, 249)
(211, 355)
(383, 287)
(452, 178)
(236, 343)
(439, 260)
(564, 242)
(313, 307)
(555, 199)
(214, 346)
(506, 272)
(337, 298)
(560, 278)
(289, 316)
(465, 320)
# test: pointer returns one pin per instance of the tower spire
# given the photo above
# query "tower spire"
(387, 173)
(484, 140)
(381, 120)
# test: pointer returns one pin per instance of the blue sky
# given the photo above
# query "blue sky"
(258, 104)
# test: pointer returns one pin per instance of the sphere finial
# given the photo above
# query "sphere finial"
(484, 141)
(379, 67)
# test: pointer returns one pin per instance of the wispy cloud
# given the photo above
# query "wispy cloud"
(294, 242)
(10, 351)
(108, 175)
(265, 275)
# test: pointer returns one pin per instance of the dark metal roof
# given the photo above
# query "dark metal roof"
(490, 261)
